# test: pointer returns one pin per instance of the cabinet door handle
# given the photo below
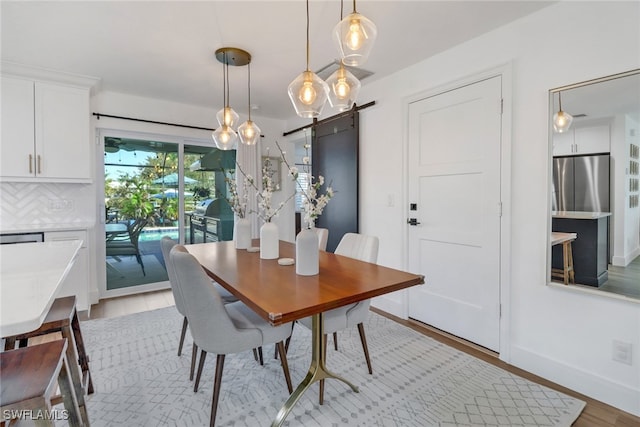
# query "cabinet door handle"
(39, 164)
(30, 163)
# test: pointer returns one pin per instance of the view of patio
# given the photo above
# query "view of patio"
(143, 202)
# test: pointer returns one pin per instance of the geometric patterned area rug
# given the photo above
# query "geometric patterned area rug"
(417, 381)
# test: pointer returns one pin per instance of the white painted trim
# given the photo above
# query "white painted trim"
(49, 75)
(505, 71)
(623, 261)
(585, 382)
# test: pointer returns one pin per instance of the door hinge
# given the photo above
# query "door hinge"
(500, 209)
(499, 311)
(501, 106)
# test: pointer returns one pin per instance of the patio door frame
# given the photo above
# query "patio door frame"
(100, 253)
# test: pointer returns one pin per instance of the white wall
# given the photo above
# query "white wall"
(563, 335)
(625, 130)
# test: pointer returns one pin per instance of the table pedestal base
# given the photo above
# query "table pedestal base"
(317, 370)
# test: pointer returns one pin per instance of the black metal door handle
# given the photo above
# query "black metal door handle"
(412, 221)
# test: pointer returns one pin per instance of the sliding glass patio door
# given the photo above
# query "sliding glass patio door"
(157, 186)
(141, 206)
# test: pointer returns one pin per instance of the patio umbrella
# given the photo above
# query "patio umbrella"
(170, 193)
(172, 180)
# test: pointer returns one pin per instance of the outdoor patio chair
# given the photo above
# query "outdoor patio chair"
(124, 244)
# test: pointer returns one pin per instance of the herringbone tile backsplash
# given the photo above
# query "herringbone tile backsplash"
(45, 205)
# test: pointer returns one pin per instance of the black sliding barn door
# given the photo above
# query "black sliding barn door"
(335, 156)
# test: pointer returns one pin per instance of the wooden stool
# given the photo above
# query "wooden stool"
(28, 383)
(566, 273)
(63, 318)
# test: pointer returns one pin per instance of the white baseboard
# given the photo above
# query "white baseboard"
(623, 261)
(390, 306)
(597, 387)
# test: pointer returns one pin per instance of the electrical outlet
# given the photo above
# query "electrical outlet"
(622, 352)
(60, 205)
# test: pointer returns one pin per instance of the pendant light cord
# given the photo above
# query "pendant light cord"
(228, 92)
(224, 83)
(249, 88)
(354, 6)
(559, 101)
(307, 35)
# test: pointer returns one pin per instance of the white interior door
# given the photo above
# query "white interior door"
(454, 178)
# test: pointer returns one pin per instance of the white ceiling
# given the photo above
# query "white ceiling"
(165, 50)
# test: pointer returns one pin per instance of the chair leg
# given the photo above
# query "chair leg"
(68, 394)
(194, 356)
(363, 340)
(185, 323)
(286, 343)
(74, 370)
(260, 356)
(335, 340)
(321, 394)
(255, 354)
(141, 264)
(285, 365)
(9, 343)
(203, 356)
(83, 359)
(216, 389)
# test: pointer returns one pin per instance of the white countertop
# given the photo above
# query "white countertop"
(579, 215)
(29, 228)
(30, 277)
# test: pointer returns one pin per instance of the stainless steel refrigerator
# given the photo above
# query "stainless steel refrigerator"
(581, 183)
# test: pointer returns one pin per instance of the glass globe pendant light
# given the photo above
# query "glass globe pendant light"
(355, 36)
(248, 131)
(343, 86)
(224, 136)
(308, 92)
(343, 89)
(561, 120)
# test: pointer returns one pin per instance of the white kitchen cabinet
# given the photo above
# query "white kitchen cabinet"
(563, 143)
(586, 139)
(593, 139)
(45, 132)
(77, 281)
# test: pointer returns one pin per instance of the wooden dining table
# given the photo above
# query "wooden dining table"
(279, 295)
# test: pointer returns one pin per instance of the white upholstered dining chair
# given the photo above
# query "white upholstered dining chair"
(323, 236)
(221, 328)
(363, 248)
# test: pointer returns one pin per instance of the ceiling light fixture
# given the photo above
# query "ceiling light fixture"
(561, 120)
(355, 36)
(224, 136)
(308, 92)
(248, 131)
(343, 85)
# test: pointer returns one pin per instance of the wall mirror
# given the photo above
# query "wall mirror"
(594, 214)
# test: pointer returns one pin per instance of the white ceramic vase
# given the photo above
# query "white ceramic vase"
(307, 253)
(242, 233)
(269, 244)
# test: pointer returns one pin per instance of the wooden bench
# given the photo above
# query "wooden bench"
(29, 378)
(566, 273)
(63, 318)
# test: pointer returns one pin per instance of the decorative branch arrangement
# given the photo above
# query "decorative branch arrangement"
(313, 201)
(265, 211)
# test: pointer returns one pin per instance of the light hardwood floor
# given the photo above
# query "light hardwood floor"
(595, 413)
